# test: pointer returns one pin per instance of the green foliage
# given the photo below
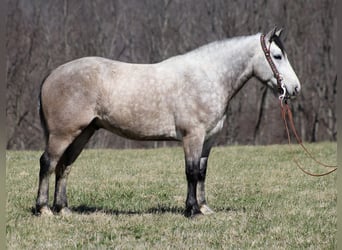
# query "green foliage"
(135, 198)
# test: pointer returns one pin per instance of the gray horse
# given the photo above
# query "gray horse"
(183, 98)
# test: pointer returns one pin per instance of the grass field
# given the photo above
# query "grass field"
(134, 199)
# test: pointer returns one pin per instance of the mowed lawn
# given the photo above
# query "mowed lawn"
(134, 199)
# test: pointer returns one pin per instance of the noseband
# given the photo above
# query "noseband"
(277, 75)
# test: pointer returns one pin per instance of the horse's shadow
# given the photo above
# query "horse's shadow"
(87, 210)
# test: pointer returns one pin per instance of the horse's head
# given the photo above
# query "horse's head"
(272, 66)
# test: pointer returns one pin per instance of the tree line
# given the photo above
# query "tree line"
(42, 35)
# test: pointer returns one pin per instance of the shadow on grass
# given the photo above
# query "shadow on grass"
(84, 209)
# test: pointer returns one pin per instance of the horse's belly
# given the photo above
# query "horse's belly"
(142, 129)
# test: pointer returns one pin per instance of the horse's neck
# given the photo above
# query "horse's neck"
(228, 62)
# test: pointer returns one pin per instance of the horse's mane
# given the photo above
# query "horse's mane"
(232, 42)
(219, 44)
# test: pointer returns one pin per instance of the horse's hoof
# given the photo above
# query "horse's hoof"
(206, 210)
(45, 211)
(192, 213)
(65, 211)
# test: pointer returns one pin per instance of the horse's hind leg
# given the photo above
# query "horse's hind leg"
(48, 162)
(43, 191)
(63, 168)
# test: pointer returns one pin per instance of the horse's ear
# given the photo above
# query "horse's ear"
(279, 32)
(270, 34)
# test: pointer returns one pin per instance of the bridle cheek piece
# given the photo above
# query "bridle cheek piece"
(277, 75)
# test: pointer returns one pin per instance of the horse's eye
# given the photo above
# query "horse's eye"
(277, 57)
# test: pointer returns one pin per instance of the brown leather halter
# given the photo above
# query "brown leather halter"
(281, 87)
(287, 114)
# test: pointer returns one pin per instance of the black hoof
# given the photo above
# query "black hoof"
(60, 209)
(192, 213)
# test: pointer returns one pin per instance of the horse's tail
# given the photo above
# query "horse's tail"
(41, 112)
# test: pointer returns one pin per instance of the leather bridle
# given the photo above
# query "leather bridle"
(277, 75)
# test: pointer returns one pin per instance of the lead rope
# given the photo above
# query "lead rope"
(286, 111)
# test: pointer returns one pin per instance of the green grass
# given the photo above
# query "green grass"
(134, 199)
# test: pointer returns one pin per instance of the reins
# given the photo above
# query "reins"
(287, 114)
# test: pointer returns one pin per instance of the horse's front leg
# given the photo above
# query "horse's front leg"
(202, 175)
(192, 172)
(192, 148)
(201, 187)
